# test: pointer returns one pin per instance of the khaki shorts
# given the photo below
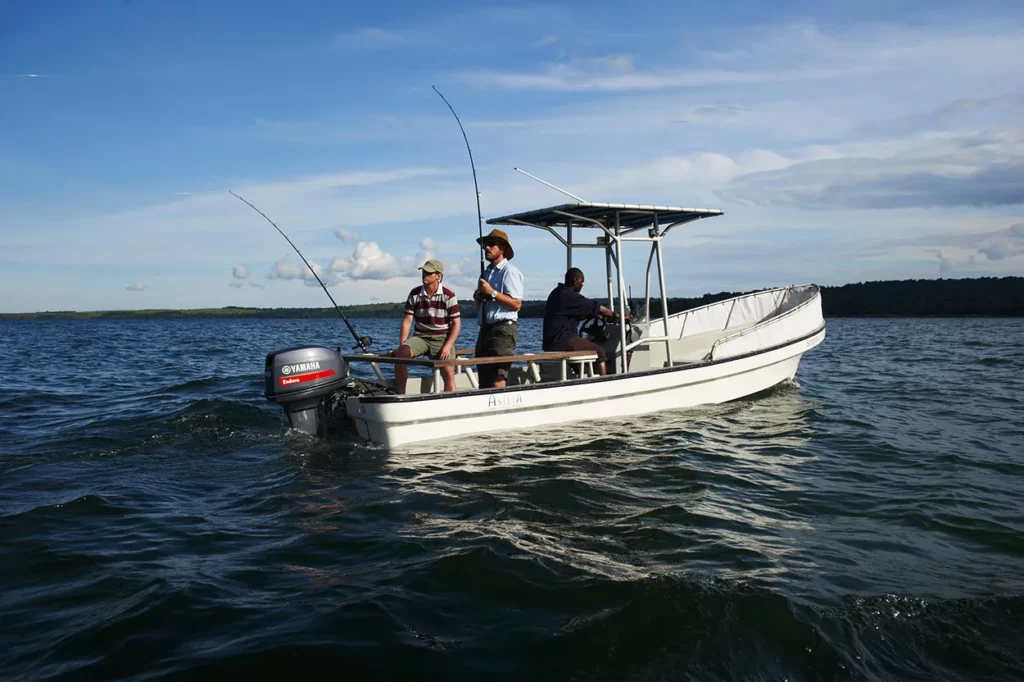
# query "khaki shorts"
(422, 344)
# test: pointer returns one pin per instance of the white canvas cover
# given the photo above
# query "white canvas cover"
(735, 313)
(788, 322)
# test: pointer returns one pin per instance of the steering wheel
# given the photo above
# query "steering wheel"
(596, 328)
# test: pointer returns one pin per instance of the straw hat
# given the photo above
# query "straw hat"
(498, 236)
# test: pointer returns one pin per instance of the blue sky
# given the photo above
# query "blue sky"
(845, 144)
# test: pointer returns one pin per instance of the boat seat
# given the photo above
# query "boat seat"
(569, 368)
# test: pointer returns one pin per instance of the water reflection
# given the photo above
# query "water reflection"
(699, 490)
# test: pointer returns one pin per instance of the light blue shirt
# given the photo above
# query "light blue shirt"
(506, 279)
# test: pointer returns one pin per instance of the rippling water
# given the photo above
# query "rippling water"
(157, 520)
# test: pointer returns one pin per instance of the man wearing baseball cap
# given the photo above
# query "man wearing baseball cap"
(435, 310)
(499, 298)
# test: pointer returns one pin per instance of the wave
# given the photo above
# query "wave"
(995, 362)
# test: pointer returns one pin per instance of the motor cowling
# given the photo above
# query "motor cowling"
(299, 378)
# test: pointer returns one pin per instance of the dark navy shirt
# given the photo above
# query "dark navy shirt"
(563, 312)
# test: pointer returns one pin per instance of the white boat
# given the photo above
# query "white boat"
(712, 354)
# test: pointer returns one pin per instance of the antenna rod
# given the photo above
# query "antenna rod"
(568, 194)
(364, 341)
(479, 217)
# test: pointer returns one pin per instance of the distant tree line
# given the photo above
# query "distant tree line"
(979, 297)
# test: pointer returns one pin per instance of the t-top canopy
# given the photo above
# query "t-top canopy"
(631, 216)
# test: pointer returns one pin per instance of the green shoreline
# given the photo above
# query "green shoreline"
(976, 297)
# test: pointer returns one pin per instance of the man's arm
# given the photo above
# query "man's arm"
(581, 307)
(453, 333)
(509, 302)
(577, 306)
(506, 300)
(512, 296)
(403, 333)
(606, 312)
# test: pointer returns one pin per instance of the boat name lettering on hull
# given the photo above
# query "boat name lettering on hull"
(504, 400)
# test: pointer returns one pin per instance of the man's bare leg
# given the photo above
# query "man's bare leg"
(402, 371)
(449, 378)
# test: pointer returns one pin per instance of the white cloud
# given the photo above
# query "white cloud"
(977, 111)
(465, 267)
(368, 261)
(787, 54)
(618, 73)
(929, 170)
(184, 229)
(546, 40)
(136, 287)
(981, 252)
(240, 273)
(409, 265)
(946, 265)
(427, 250)
(1006, 244)
(346, 236)
(287, 269)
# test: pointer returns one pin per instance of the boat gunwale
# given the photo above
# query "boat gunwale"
(408, 398)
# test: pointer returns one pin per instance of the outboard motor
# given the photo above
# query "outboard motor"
(300, 378)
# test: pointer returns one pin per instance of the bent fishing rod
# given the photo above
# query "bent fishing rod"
(362, 341)
(479, 217)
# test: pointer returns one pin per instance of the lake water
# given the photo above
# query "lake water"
(158, 521)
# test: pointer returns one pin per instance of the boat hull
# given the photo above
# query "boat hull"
(393, 421)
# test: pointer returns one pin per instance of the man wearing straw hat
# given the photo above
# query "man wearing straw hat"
(498, 298)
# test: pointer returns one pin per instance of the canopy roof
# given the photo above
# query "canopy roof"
(631, 216)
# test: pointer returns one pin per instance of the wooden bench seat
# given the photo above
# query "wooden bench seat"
(582, 359)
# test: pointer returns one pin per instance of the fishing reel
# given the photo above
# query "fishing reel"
(364, 343)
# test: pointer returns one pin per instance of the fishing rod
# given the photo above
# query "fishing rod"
(479, 217)
(363, 342)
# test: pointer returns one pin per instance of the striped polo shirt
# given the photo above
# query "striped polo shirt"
(433, 313)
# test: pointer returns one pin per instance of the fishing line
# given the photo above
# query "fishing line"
(362, 341)
(479, 217)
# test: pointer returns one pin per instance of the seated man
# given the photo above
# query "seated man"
(436, 311)
(565, 307)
